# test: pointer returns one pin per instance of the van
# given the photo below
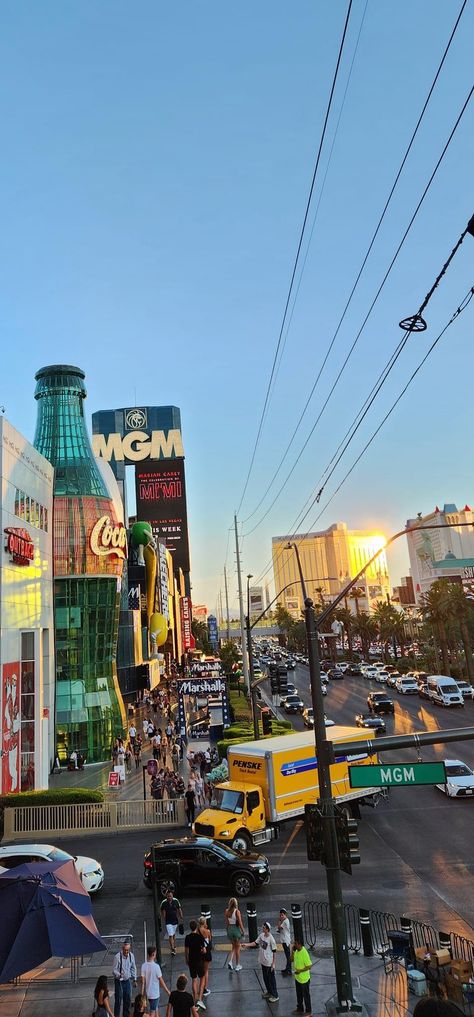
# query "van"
(443, 690)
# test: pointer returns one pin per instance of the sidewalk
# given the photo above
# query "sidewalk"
(51, 993)
(96, 775)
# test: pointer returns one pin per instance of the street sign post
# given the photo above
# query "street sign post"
(397, 774)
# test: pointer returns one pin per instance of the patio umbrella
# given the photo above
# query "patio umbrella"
(46, 912)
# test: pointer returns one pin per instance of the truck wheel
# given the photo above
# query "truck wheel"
(242, 884)
(242, 842)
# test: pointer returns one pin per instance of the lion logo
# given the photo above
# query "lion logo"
(135, 419)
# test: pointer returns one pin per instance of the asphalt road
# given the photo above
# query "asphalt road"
(416, 849)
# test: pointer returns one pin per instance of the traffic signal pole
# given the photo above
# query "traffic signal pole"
(345, 995)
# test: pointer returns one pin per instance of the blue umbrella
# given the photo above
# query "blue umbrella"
(46, 912)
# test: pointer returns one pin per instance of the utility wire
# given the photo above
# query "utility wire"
(459, 310)
(382, 284)
(381, 381)
(351, 294)
(295, 266)
(315, 216)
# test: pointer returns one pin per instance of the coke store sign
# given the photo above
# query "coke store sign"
(108, 537)
(19, 545)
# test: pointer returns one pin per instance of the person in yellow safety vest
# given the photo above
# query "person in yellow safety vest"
(302, 965)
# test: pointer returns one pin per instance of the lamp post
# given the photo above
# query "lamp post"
(324, 756)
(333, 875)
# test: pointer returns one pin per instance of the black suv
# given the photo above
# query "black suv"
(378, 702)
(200, 862)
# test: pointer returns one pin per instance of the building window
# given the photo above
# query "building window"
(31, 511)
(27, 715)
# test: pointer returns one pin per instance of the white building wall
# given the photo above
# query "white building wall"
(26, 596)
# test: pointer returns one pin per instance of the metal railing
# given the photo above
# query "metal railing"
(316, 918)
(91, 817)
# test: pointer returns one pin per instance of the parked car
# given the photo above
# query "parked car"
(186, 862)
(377, 724)
(406, 686)
(459, 779)
(378, 702)
(89, 871)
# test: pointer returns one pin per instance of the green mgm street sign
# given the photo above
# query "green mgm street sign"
(397, 774)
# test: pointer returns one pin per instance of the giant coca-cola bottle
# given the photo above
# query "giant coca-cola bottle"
(89, 548)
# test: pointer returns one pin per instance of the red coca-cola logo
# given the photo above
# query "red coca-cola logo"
(19, 545)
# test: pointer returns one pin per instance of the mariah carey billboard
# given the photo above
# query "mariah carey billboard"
(161, 501)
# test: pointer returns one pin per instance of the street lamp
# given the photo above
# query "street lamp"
(326, 802)
(324, 756)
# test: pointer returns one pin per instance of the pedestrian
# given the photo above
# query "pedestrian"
(194, 959)
(156, 744)
(145, 727)
(429, 1007)
(169, 729)
(199, 791)
(151, 980)
(139, 1007)
(283, 928)
(190, 799)
(175, 756)
(150, 729)
(101, 998)
(206, 939)
(266, 956)
(124, 972)
(164, 748)
(302, 965)
(137, 751)
(172, 916)
(132, 733)
(128, 757)
(235, 933)
(181, 1003)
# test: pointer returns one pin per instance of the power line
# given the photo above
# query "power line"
(382, 284)
(459, 310)
(408, 329)
(349, 300)
(305, 219)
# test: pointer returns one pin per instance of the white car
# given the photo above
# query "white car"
(382, 677)
(459, 779)
(465, 689)
(89, 871)
(406, 686)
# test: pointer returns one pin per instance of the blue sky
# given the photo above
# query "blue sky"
(156, 162)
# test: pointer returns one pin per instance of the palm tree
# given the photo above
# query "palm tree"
(366, 628)
(386, 617)
(458, 607)
(356, 594)
(435, 610)
(346, 618)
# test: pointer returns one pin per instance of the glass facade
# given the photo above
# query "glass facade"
(27, 711)
(88, 560)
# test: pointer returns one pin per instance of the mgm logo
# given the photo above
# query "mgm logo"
(135, 419)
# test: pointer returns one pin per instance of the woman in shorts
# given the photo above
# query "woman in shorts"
(235, 933)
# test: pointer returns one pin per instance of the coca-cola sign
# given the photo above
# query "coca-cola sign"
(108, 537)
(19, 545)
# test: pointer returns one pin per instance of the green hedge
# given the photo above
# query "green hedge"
(54, 796)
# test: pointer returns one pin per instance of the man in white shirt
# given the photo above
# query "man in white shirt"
(266, 956)
(124, 972)
(283, 928)
(151, 980)
(132, 734)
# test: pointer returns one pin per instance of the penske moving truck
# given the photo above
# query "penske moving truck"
(272, 780)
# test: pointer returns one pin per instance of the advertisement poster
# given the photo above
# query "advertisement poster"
(161, 501)
(186, 617)
(11, 728)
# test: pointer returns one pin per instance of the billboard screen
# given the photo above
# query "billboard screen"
(161, 501)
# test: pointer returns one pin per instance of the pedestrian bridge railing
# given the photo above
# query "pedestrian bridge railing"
(91, 817)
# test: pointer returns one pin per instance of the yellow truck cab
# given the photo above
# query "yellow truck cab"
(271, 781)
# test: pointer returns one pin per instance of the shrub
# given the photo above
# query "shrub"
(53, 796)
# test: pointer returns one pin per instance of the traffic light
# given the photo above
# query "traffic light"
(266, 722)
(347, 840)
(314, 834)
